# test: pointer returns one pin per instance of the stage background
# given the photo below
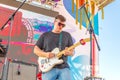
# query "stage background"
(28, 26)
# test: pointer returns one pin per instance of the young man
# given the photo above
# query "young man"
(47, 42)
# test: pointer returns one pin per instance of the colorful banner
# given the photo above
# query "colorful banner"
(28, 26)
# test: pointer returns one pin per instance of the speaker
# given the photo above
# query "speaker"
(18, 70)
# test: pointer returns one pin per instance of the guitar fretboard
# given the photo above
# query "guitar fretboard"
(72, 47)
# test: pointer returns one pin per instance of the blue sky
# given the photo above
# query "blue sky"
(109, 37)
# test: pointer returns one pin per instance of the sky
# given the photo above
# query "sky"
(109, 37)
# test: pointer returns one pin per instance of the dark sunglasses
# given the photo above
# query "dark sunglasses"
(60, 24)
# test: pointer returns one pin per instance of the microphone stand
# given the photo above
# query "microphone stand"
(91, 31)
(6, 63)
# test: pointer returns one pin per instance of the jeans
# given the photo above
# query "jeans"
(59, 74)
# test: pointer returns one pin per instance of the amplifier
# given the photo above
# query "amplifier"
(18, 70)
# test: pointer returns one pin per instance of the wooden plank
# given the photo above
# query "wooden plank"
(103, 3)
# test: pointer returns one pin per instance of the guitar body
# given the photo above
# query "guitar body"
(46, 64)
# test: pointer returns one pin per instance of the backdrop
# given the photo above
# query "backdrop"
(28, 27)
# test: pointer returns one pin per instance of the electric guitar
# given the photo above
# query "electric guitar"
(46, 64)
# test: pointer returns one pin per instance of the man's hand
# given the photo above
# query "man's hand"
(50, 55)
(68, 52)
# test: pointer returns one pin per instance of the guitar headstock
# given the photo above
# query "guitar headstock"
(83, 41)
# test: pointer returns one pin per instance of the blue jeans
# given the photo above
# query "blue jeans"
(60, 74)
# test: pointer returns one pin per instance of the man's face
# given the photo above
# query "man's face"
(58, 25)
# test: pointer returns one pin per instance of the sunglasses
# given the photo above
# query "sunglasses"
(60, 24)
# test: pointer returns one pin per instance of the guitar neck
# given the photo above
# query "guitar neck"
(71, 47)
(82, 42)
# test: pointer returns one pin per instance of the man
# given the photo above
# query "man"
(47, 42)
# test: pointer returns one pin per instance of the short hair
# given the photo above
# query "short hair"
(61, 18)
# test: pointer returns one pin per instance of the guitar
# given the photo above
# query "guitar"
(46, 64)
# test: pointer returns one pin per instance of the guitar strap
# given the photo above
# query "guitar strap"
(60, 42)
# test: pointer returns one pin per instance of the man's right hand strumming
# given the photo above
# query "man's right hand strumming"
(50, 55)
